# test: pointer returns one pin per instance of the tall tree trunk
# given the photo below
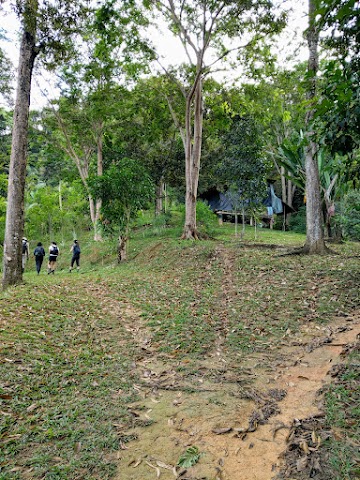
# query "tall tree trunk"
(160, 190)
(192, 161)
(14, 227)
(315, 243)
(98, 204)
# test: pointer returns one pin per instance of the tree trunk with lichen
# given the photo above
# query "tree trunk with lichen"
(315, 243)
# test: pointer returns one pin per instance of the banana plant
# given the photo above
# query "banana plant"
(292, 158)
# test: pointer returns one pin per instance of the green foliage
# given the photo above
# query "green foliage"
(189, 458)
(146, 132)
(339, 104)
(5, 76)
(291, 156)
(3, 190)
(53, 212)
(243, 167)
(5, 137)
(350, 216)
(205, 218)
(339, 108)
(297, 221)
(124, 189)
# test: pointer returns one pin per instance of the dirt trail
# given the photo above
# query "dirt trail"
(234, 412)
(178, 418)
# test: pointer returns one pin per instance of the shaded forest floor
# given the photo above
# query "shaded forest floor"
(201, 360)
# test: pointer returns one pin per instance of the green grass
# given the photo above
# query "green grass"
(343, 414)
(67, 353)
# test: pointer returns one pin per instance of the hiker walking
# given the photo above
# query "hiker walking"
(39, 254)
(75, 250)
(53, 254)
(25, 253)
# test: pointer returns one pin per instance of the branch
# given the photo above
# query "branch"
(173, 78)
(176, 120)
(230, 50)
(69, 149)
(178, 22)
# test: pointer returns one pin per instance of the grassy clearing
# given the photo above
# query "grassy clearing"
(60, 366)
(67, 351)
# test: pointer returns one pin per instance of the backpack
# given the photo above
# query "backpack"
(54, 250)
(76, 250)
(38, 252)
(24, 246)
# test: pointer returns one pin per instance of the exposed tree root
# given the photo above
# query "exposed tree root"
(269, 246)
(194, 235)
(305, 250)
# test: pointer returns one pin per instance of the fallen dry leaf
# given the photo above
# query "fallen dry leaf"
(164, 465)
(135, 463)
(158, 472)
(301, 463)
(304, 446)
(32, 407)
(220, 431)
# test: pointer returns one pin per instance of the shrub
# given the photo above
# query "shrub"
(206, 220)
(298, 221)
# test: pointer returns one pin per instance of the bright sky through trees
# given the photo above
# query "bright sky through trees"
(289, 50)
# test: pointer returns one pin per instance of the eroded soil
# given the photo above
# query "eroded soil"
(239, 419)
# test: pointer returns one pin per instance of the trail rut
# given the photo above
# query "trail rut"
(180, 413)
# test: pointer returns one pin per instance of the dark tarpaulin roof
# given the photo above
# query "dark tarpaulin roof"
(220, 202)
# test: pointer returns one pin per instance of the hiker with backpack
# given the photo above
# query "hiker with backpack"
(75, 250)
(25, 253)
(53, 254)
(39, 254)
